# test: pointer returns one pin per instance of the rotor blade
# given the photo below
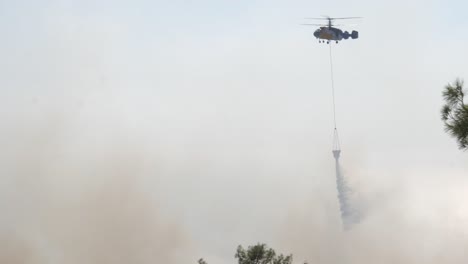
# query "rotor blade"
(344, 25)
(322, 25)
(331, 18)
(345, 18)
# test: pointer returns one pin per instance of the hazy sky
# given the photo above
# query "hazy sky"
(222, 110)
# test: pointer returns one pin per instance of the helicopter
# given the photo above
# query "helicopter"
(327, 32)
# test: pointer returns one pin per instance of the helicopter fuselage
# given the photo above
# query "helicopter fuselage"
(329, 33)
(334, 34)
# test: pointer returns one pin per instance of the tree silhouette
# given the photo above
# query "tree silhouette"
(455, 113)
(258, 254)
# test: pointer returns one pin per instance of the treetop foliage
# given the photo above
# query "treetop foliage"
(455, 113)
(258, 254)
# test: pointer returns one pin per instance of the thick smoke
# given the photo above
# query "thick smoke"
(73, 170)
(235, 153)
(411, 217)
(67, 198)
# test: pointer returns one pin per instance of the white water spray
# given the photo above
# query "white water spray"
(349, 215)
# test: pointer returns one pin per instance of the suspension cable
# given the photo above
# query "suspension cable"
(336, 139)
(333, 86)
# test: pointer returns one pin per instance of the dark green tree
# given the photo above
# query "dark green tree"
(260, 254)
(455, 113)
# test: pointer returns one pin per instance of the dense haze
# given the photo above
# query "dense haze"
(162, 132)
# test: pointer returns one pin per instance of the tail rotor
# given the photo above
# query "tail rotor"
(346, 35)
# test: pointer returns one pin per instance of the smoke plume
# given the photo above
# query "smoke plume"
(71, 198)
(411, 217)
